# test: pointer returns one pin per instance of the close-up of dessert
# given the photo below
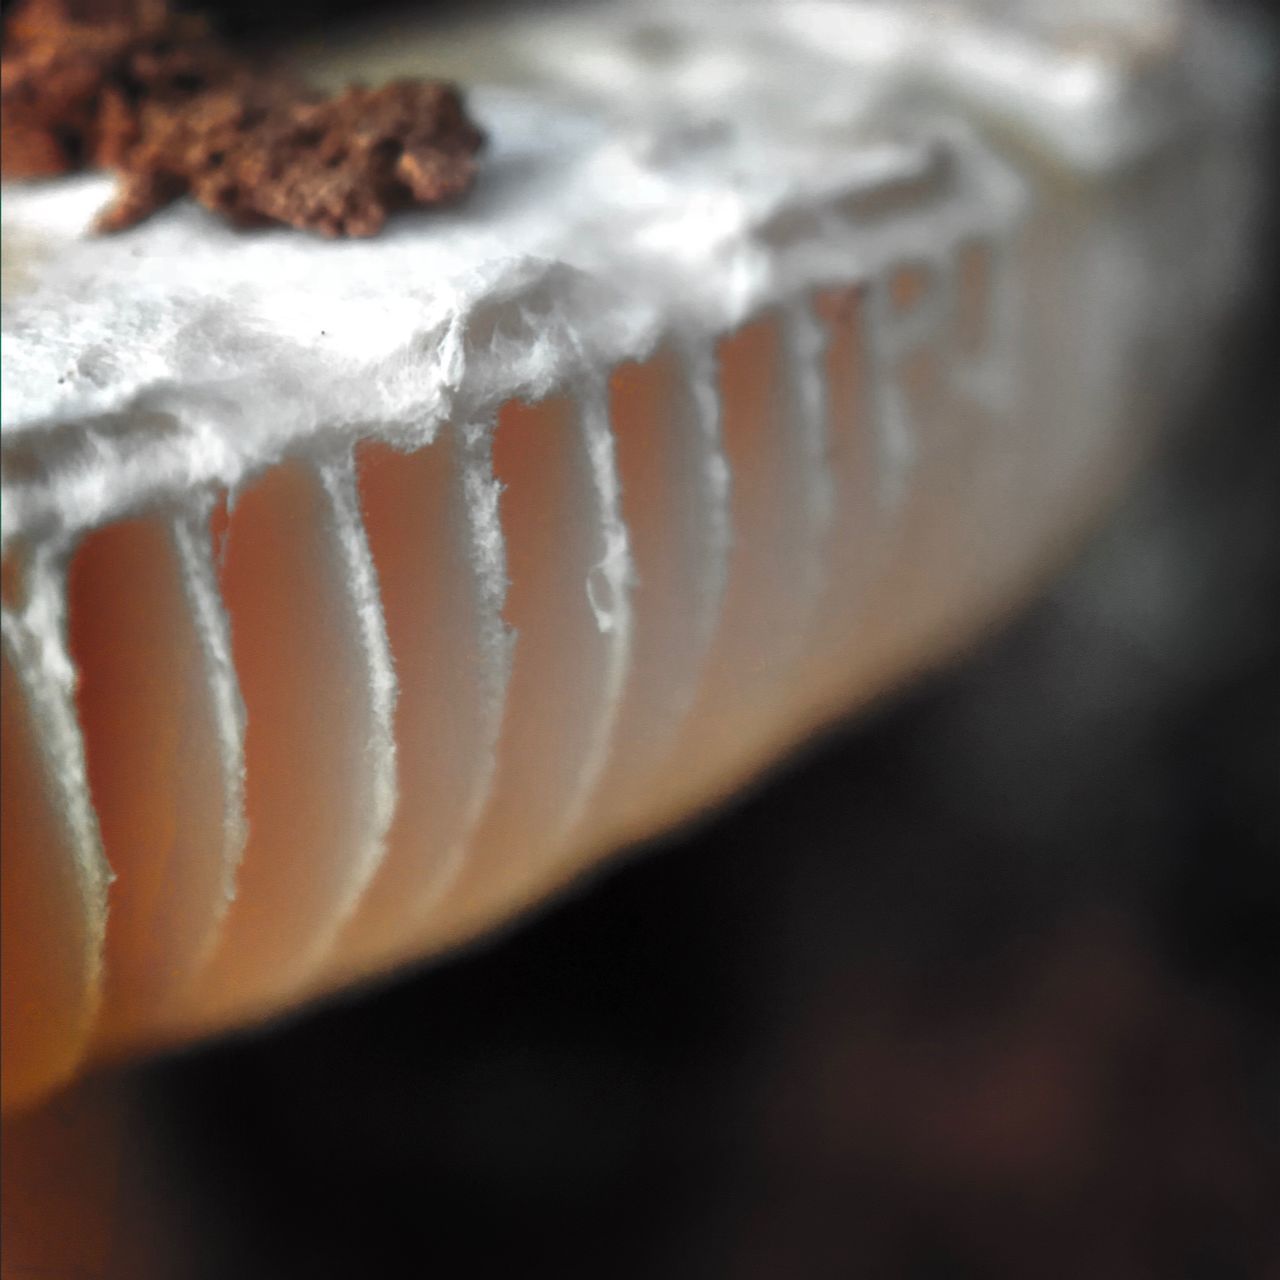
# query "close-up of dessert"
(447, 448)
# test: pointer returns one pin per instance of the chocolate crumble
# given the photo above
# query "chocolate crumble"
(157, 97)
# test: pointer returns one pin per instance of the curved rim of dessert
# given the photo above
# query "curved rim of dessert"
(596, 238)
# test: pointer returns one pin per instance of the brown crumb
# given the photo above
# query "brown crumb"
(73, 83)
(336, 166)
(157, 97)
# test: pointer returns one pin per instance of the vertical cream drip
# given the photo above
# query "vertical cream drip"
(191, 537)
(309, 645)
(451, 653)
(891, 335)
(769, 595)
(375, 778)
(55, 899)
(666, 433)
(715, 488)
(805, 416)
(475, 478)
(194, 547)
(569, 606)
(609, 586)
(155, 759)
(487, 551)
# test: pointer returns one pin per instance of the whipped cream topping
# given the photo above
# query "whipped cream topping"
(187, 353)
(688, 187)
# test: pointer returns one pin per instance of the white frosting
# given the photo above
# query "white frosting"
(200, 580)
(186, 353)
(378, 754)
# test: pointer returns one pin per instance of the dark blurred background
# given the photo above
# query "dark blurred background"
(985, 985)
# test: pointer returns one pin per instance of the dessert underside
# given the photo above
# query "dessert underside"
(357, 595)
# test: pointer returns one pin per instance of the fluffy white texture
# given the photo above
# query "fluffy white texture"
(200, 579)
(338, 476)
(1092, 82)
(696, 187)
(186, 353)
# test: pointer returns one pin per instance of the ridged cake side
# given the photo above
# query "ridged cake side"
(358, 596)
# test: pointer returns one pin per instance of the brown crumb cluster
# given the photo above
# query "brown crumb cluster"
(337, 166)
(158, 98)
(74, 79)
